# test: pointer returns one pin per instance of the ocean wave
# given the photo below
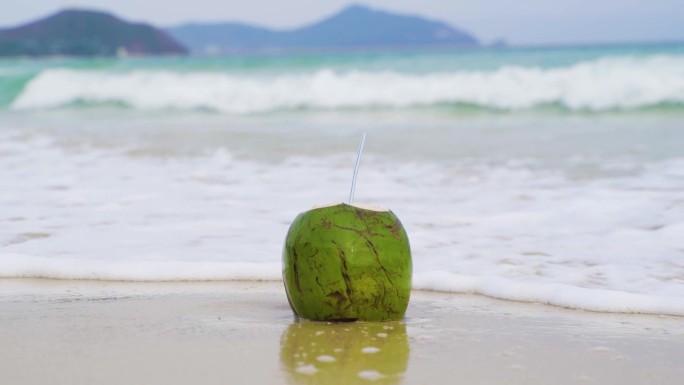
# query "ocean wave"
(611, 83)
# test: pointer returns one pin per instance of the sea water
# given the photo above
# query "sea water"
(550, 175)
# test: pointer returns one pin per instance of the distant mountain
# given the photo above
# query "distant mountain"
(354, 27)
(224, 37)
(85, 33)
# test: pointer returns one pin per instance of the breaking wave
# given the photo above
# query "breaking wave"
(612, 83)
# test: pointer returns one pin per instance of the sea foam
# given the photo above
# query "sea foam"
(507, 231)
(596, 85)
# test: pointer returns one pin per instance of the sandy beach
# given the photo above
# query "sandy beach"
(516, 170)
(90, 332)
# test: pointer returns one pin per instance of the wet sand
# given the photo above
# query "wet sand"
(87, 332)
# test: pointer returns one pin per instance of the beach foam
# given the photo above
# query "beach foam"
(596, 85)
(513, 230)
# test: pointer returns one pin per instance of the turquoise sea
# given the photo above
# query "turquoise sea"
(564, 78)
(552, 175)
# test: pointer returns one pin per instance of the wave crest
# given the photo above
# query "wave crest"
(598, 85)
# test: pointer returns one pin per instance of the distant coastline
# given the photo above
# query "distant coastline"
(87, 33)
(353, 28)
(607, 44)
(83, 33)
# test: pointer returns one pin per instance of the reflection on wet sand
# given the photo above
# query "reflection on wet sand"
(345, 353)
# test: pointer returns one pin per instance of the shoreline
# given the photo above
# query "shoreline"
(446, 291)
(103, 332)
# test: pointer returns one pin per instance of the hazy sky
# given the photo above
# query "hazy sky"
(518, 21)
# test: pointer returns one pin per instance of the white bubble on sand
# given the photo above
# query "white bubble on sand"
(382, 335)
(601, 349)
(326, 358)
(370, 350)
(371, 375)
(306, 369)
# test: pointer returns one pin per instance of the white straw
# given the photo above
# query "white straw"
(356, 168)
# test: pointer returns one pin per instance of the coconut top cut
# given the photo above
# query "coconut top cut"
(357, 205)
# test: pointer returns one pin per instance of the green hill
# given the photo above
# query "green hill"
(86, 33)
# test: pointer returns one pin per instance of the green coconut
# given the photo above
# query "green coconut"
(343, 354)
(347, 263)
